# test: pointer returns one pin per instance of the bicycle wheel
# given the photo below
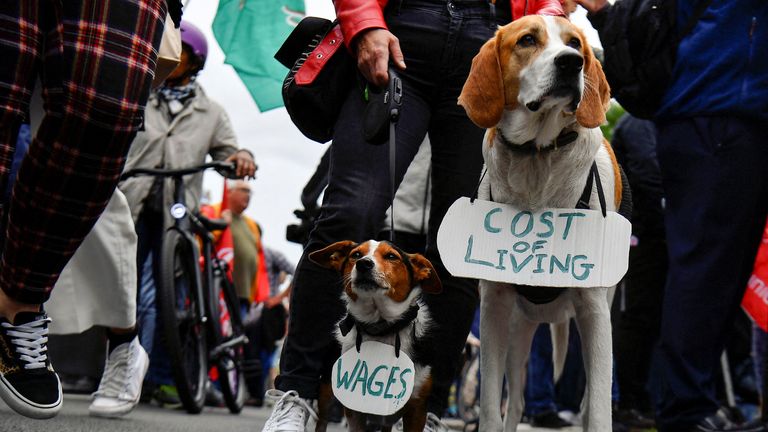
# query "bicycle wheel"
(228, 329)
(182, 325)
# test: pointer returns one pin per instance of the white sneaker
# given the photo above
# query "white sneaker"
(290, 412)
(434, 424)
(120, 386)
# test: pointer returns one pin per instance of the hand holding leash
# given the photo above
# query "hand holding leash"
(375, 48)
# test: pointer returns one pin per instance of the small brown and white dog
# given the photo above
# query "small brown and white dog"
(382, 290)
(538, 89)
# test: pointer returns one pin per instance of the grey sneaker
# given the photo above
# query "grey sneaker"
(120, 385)
(290, 412)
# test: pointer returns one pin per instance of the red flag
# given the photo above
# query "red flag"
(755, 301)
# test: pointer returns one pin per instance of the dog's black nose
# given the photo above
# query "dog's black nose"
(365, 264)
(569, 63)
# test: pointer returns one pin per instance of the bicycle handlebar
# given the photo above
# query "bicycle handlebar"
(226, 169)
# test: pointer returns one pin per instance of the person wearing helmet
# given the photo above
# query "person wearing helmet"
(182, 126)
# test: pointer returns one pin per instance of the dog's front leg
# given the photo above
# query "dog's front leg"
(496, 303)
(519, 345)
(593, 319)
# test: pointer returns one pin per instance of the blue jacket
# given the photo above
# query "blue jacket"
(722, 65)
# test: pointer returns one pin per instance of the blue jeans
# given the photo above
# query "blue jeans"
(716, 185)
(149, 229)
(439, 40)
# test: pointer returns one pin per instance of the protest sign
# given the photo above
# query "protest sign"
(549, 247)
(374, 380)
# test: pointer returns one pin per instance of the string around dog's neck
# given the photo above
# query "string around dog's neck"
(566, 137)
(381, 327)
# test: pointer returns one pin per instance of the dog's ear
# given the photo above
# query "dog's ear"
(425, 275)
(597, 93)
(483, 94)
(332, 256)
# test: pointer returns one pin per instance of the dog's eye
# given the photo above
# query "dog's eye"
(574, 43)
(527, 41)
(391, 256)
(355, 255)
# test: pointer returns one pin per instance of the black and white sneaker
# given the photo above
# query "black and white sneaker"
(28, 383)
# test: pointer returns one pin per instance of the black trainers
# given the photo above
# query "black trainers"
(28, 383)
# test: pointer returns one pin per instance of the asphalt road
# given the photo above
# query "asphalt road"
(147, 418)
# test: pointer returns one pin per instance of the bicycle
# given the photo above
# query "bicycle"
(192, 300)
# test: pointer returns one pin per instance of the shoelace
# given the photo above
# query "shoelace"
(30, 340)
(285, 418)
(117, 373)
(434, 424)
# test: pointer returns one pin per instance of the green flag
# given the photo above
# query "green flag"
(250, 32)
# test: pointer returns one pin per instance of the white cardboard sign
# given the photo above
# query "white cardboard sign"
(549, 247)
(373, 381)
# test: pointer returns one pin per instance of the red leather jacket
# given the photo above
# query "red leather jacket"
(358, 15)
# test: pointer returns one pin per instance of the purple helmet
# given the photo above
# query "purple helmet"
(195, 40)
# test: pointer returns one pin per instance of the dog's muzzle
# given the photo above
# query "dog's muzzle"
(364, 278)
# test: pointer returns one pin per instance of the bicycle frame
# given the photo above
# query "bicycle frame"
(185, 222)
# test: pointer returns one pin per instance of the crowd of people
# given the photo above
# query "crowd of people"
(71, 230)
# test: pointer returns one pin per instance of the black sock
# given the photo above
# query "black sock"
(116, 340)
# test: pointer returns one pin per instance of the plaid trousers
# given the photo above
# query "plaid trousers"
(96, 60)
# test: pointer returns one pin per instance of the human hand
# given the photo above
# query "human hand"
(374, 48)
(592, 6)
(244, 164)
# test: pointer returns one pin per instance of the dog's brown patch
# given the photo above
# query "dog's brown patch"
(618, 188)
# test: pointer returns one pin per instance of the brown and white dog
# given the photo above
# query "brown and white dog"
(538, 89)
(382, 290)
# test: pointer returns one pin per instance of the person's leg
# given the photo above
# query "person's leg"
(95, 95)
(637, 327)
(456, 167)
(715, 184)
(540, 385)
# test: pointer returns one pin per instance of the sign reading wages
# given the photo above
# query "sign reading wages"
(374, 380)
(549, 247)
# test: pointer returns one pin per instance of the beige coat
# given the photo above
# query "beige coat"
(98, 285)
(201, 128)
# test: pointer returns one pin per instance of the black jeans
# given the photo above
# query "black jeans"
(716, 188)
(439, 40)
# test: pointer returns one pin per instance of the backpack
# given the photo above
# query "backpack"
(640, 41)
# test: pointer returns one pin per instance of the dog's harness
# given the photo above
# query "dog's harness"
(537, 294)
(381, 327)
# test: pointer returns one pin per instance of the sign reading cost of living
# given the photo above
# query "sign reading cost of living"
(549, 247)
(374, 380)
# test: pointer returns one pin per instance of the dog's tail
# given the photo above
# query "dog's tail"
(559, 333)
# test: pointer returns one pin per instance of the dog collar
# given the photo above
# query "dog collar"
(529, 147)
(380, 327)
